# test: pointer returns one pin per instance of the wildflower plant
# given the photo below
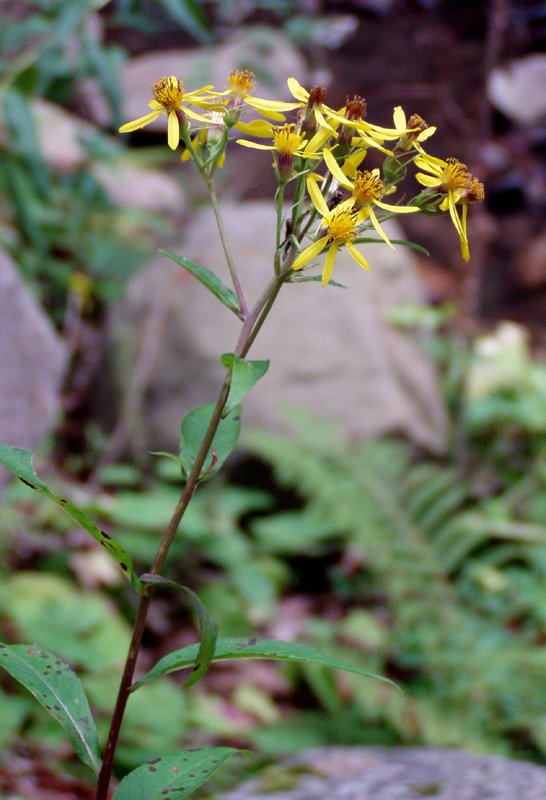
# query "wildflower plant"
(326, 199)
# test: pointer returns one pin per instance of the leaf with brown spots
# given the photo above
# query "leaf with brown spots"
(19, 462)
(59, 690)
(173, 776)
(227, 649)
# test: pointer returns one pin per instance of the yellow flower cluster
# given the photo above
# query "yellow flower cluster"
(320, 136)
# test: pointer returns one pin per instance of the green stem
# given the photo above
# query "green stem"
(250, 329)
(233, 272)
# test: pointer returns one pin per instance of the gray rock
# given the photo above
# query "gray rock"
(331, 350)
(262, 49)
(518, 89)
(32, 362)
(377, 773)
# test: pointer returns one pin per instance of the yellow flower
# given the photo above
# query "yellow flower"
(169, 95)
(341, 226)
(241, 83)
(367, 189)
(451, 177)
(414, 130)
(287, 143)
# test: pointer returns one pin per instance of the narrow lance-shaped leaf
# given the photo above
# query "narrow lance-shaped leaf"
(19, 461)
(173, 776)
(208, 279)
(59, 690)
(227, 649)
(244, 375)
(207, 627)
(193, 429)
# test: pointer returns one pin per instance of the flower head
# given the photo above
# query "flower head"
(169, 95)
(339, 227)
(286, 144)
(367, 189)
(451, 178)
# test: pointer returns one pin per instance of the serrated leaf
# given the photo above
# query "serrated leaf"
(227, 649)
(244, 375)
(193, 429)
(173, 776)
(208, 279)
(19, 461)
(59, 690)
(207, 627)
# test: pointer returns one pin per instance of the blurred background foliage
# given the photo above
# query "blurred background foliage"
(428, 570)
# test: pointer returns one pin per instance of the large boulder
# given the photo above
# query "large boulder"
(332, 351)
(32, 363)
(380, 773)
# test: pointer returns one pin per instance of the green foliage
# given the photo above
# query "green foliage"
(244, 375)
(228, 649)
(176, 774)
(57, 688)
(460, 576)
(208, 629)
(209, 279)
(19, 461)
(193, 429)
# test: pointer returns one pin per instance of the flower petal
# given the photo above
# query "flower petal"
(397, 209)
(318, 200)
(335, 169)
(173, 130)
(322, 121)
(140, 122)
(358, 257)
(378, 228)
(455, 217)
(310, 253)
(258, 127)
(399, 119)
(428, 180)
(426, 133)
(329, 262)
(255, 145)
(297, 90)
(464, 243)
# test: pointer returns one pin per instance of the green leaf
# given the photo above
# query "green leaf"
(189, 15)
(58, 689)
(19, 461)
(244, 374)
(314, 279)
(208, 279)
(403, 242)
(193, 429)
(173, 776)
(227, 649)
(207, 627)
